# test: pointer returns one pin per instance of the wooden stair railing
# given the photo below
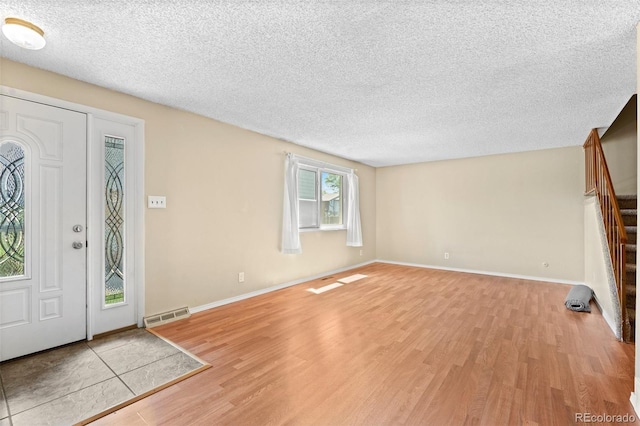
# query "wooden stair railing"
(598, 180)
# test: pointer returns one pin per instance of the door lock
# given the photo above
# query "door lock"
(77, 228)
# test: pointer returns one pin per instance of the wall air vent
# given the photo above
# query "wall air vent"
(165, 317)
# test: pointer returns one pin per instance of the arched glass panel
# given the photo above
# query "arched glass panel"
(12, 239)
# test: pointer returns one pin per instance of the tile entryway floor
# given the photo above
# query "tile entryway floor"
(72, 383)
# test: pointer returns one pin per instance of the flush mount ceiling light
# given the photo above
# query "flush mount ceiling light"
(23, 34)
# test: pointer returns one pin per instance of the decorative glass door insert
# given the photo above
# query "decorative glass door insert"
(12, 188)
(114, 289)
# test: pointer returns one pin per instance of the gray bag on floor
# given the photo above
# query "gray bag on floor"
(578, 298)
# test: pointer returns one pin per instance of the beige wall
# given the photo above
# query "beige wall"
(224, 200)
(503, 213)
(620, 143)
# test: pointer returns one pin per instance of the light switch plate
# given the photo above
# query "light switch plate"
(157, 202)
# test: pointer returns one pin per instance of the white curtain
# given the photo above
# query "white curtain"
(354, 231)
(290, 209)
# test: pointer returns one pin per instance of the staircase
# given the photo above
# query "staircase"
(628, 205)
(616, 226)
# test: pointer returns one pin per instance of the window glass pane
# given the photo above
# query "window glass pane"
(331, 199)
(11, 210)
(306, 184)
(114, 221)
(308, 214)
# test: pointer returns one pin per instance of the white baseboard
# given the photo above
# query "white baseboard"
(233, 299)
(610, 322)
(474, 271)
(634, 396)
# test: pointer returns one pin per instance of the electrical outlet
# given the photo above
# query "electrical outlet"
(446, 255)
(361, 252)
(240, 277)
(157, 202)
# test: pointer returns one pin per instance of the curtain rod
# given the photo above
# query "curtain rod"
(320, 162)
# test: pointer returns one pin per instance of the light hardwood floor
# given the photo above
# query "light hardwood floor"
(403, 346)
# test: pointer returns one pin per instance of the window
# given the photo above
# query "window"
(332, 199)
(318, 196)
(321, 198)
(12, 192)
(114, 289)
(308, 198)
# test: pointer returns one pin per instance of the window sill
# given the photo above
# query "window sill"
(332, 228)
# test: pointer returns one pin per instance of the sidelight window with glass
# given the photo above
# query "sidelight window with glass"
(114, 249)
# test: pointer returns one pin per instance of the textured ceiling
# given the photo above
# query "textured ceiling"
(381, 82)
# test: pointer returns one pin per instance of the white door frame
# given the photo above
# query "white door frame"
(93, 213)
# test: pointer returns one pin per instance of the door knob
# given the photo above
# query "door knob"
(77, 245)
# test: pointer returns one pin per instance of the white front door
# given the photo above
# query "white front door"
(42, 227)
